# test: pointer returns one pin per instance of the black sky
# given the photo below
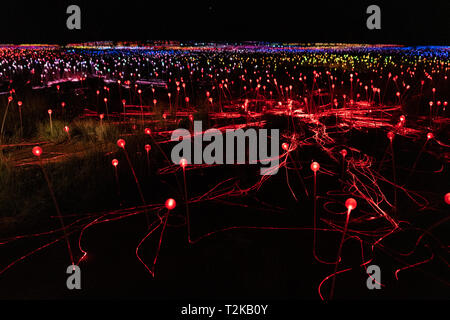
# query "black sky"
(403, 22)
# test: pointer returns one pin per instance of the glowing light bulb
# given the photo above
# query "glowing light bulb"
(447, 198)
(183, 162)
(170, 204)
(49, 111)
(66, 129)
(19, 103)
(390, 135)
(37, 151)
(350, 204)
(121, 143)
(430, 135)
(285, 146)
(115, 162)
(402, 118)
(343, 153)
(101, 116)
(148, 131)
(148, 148)
(10, 99)
(315, 166)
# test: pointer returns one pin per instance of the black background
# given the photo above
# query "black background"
(403, 22)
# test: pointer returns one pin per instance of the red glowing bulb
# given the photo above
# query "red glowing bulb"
(183, 162)
(350, 204)
(66, 128)
(63, 104)
(390, 135)
(343, 153)
(121, 143)
(115, 162)
(148, 147)
(37, 151)
(148, 131)
(105, 99)
(123, 101)
(285, 146)
(49, 111)
(447, 198)
(430, 135)
(101, 116)
(10, 99)
(170, 204)
(315, 166)
(402, 118)
(19, 103)
(139, 91)
(187, 99)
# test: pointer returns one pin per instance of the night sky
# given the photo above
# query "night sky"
(403, 22)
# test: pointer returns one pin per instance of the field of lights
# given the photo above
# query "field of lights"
(86, 176)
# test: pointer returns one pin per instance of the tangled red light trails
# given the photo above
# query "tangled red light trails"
(358, 131)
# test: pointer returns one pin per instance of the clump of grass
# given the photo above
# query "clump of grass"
(54, 133)
(10, 193)
(93, 131)
(81, 183)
